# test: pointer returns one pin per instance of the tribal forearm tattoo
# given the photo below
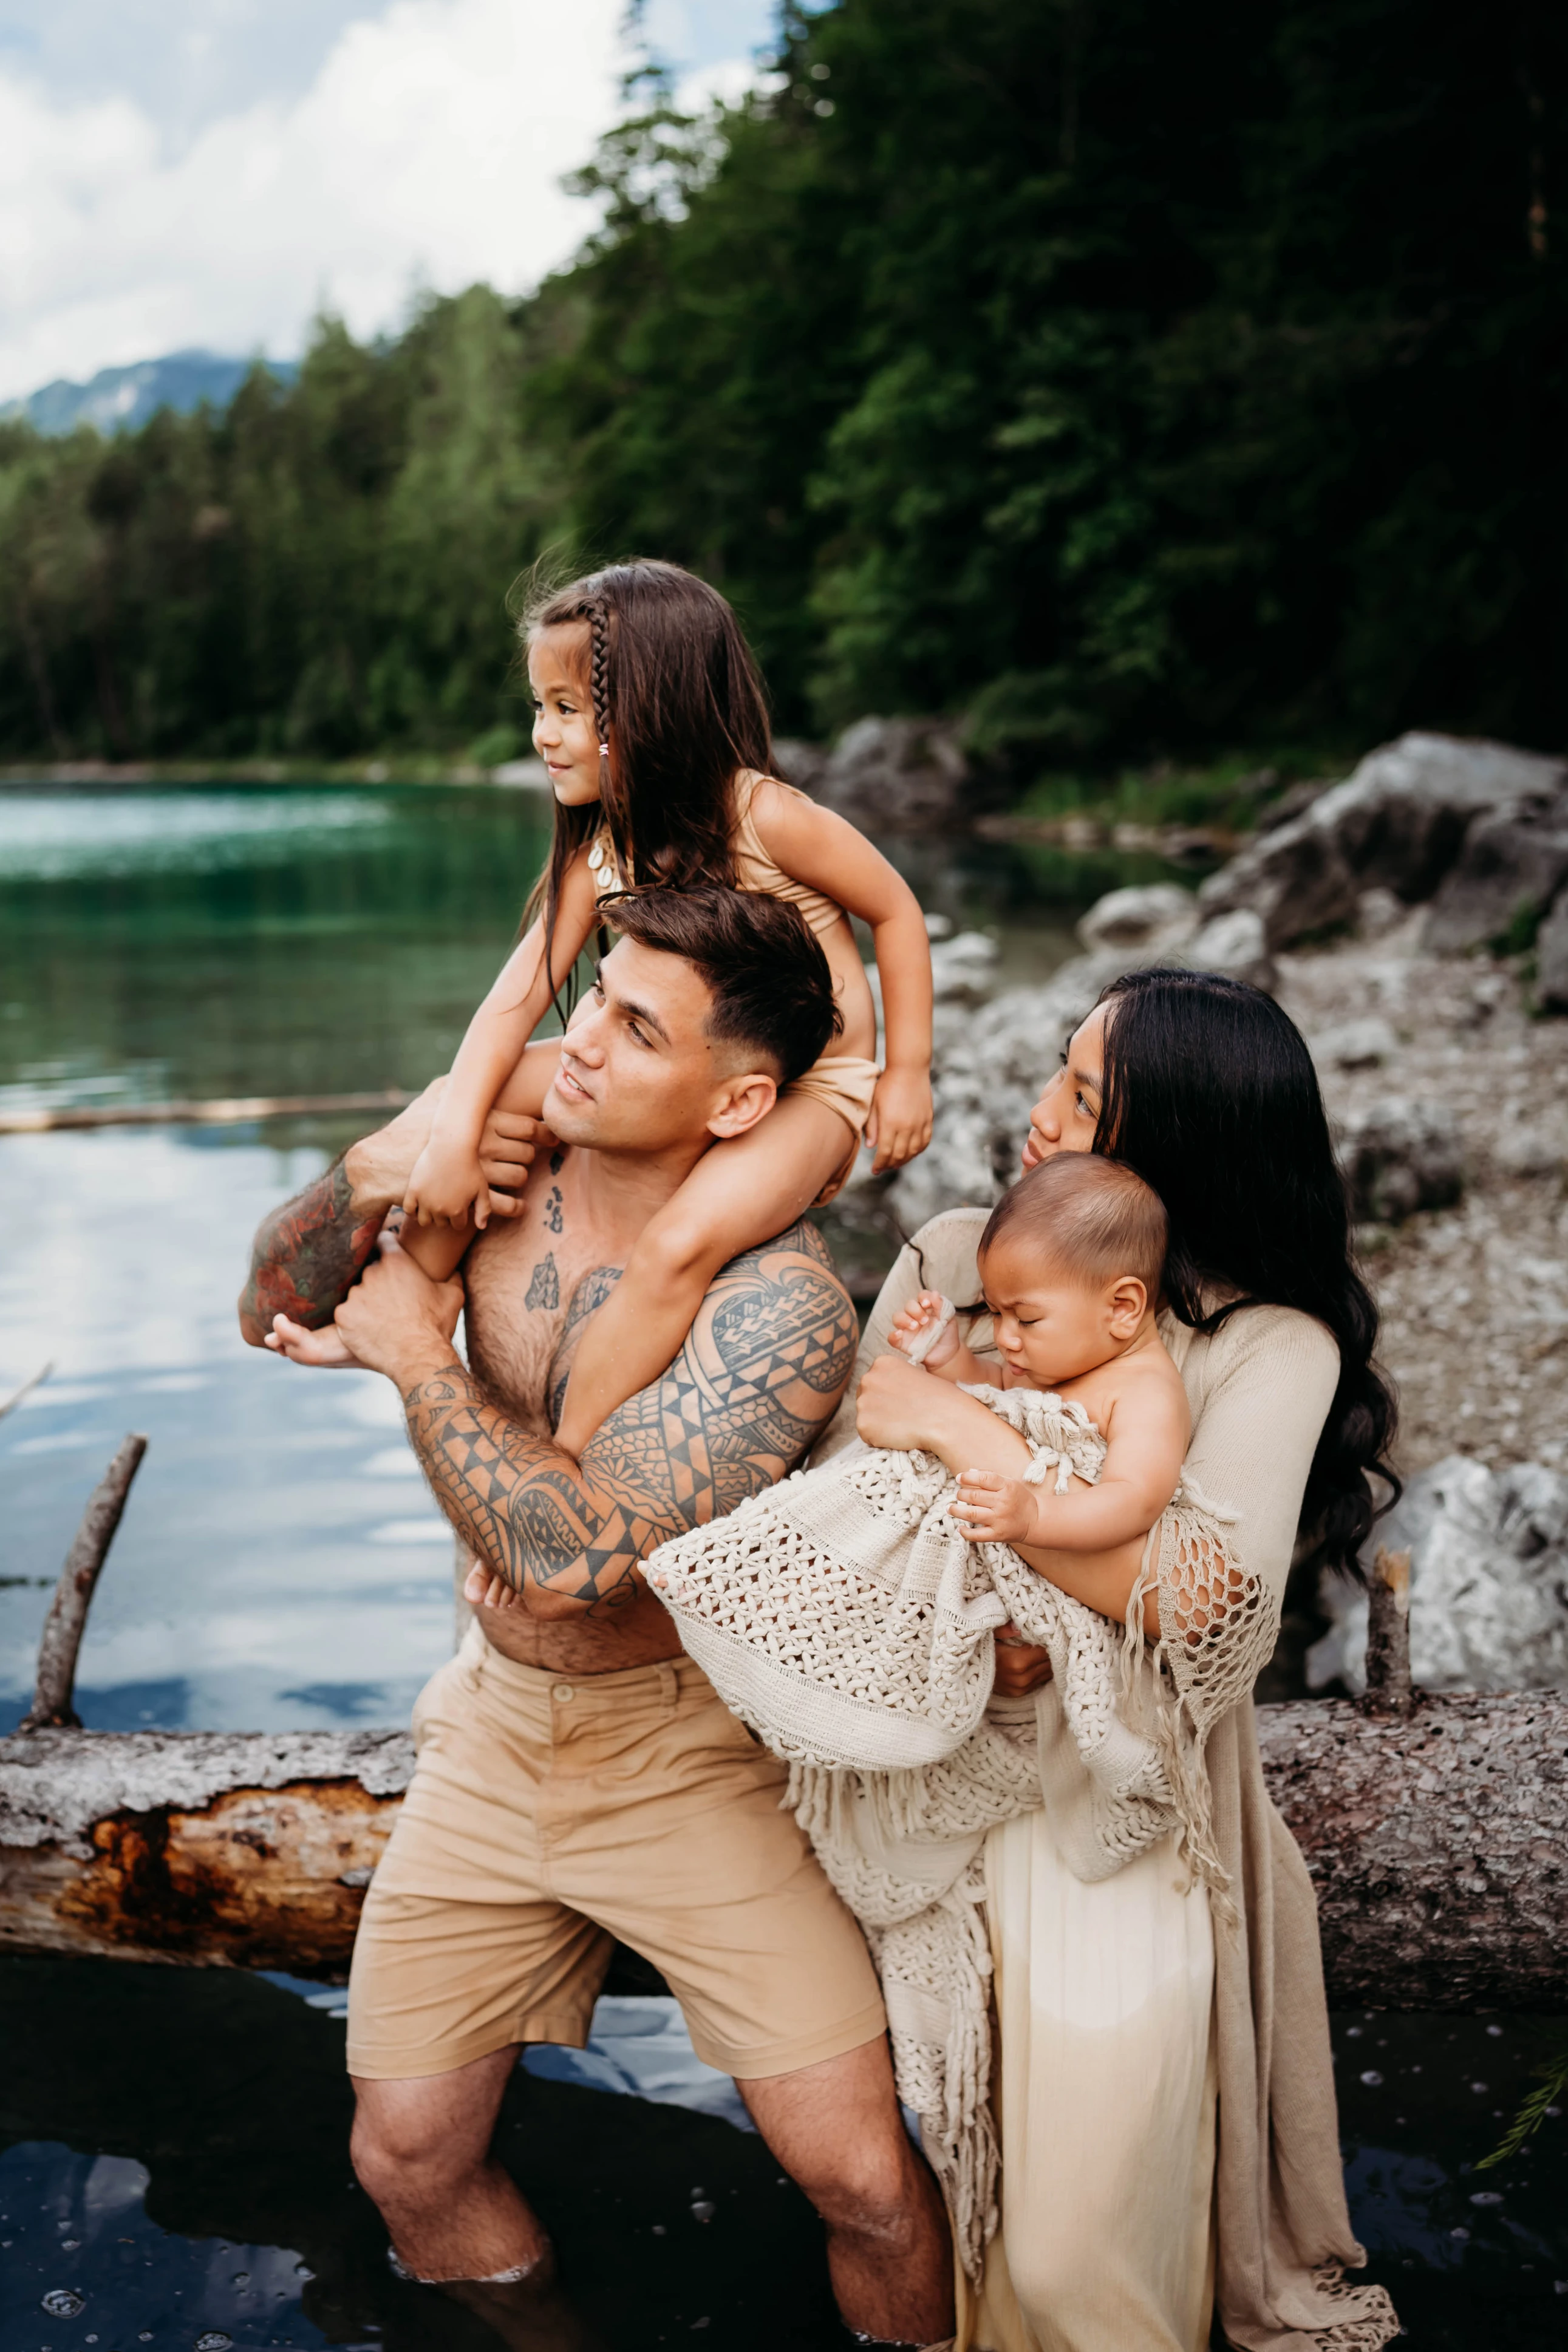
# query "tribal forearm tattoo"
(756, 1381)
(307, 1256)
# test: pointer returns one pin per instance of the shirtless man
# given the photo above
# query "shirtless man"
(578, 1777)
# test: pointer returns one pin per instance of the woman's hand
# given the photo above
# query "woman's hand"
(900, 1404)
(1021, 1666)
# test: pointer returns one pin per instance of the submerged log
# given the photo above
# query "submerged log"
(1438, 1840)
(237, 1110)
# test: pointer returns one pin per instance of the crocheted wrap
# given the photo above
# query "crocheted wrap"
(845, 1617)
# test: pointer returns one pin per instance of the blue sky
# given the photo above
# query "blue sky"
(209, 172)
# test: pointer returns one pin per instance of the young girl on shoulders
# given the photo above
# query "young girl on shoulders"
(651, 721)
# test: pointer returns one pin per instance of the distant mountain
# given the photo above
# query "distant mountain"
(119, 399)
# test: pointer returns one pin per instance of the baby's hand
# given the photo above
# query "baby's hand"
(989, 1508)
(921, 1316)
(901, 1122)
(447, 1185)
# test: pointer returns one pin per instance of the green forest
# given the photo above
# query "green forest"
(1135, 381)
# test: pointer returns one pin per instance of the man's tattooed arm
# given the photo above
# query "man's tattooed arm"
(307, 1255)
(757, 1381)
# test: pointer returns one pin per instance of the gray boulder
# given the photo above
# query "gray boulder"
(1399, 822)
(1512, 865)
(1398, 1157)
(1354, 1044)
(1236, 945)
(1150, 920)
(1551, 958)
(1489, 1582)
(898, 776)
(798, 762)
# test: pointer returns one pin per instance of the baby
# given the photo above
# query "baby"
(1070, 1264)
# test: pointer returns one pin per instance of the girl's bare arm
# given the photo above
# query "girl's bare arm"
(817, 848)
(494, 1044)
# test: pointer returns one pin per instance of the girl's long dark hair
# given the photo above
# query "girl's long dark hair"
(677, 700)
(1211, 1097)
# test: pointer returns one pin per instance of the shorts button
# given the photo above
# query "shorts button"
(562, 1691)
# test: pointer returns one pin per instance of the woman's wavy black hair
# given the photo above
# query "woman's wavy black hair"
(1211, 1097)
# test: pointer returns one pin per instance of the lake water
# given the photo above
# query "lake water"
(172, 2143)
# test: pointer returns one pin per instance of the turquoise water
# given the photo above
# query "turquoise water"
(172, 2143)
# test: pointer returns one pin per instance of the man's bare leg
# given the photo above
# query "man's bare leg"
(837, 2130)
(422, 2149)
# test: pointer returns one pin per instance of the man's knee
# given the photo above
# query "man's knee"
(403, 2146)
(871, 2187)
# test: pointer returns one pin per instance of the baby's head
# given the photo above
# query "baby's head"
(1070, 1261)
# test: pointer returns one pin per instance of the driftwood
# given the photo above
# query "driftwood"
(235, 1111)
(66, 1621)
(1438, 1843)
(17, 1395)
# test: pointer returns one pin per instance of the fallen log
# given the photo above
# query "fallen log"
(1438, 1840)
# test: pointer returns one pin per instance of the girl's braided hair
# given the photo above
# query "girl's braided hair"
(678, 710)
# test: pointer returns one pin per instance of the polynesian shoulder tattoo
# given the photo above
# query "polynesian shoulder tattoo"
(756, 1381)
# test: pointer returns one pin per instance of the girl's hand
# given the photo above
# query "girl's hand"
(918, 1317)
(448, 1186)
(483, 1590)
(326, 1348)
(900, 1124)
(989, 1508)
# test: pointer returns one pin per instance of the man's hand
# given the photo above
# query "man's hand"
(397, 1321)
(989, 1508)
(380, 1166)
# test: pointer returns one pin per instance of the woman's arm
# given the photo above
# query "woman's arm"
(817, 848)
(900, 1405)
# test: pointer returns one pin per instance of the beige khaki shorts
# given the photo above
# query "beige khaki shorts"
(844, 1083)
(547, 1817)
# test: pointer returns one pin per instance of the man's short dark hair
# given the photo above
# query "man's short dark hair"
(770, 983)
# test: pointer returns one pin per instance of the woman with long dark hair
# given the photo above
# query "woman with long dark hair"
(1166, 2107)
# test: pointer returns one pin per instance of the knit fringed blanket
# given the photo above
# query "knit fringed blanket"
(845, 1619)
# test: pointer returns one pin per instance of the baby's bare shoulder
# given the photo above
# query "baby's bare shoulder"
(1146, 1388)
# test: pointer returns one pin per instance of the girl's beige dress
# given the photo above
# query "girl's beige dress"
(1166, 2105)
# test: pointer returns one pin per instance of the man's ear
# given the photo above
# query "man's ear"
(741, 1102)
(1129, 1304)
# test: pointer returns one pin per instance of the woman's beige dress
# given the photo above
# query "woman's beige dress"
(1166, 2105)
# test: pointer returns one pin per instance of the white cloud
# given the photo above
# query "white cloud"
(429, 149)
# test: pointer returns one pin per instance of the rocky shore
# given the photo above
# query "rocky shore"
(1412, 920)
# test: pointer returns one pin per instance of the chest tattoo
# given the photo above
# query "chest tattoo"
(544, 1285)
